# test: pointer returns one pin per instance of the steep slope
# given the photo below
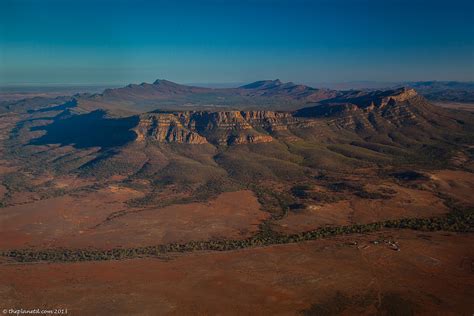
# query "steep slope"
(219, 128)
(398, 124)
(379, 111)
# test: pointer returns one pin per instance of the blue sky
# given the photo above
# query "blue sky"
(117, 42)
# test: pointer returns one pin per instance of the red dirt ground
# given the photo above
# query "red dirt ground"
(432, 275)
(405, 203)
(71, 221)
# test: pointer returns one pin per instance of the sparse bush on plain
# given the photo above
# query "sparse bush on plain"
(457, 221)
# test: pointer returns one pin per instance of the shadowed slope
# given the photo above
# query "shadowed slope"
(93, 129)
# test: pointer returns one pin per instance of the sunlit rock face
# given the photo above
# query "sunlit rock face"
(201, 127)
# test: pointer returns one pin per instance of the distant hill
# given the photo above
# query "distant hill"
(445, 90)
(259, 95)
(167, 95)
(452, 91)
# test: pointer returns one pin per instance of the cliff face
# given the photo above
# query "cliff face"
(166, 128)
(201, 127)
(401, 95)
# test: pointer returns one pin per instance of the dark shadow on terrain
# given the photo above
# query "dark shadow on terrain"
(322, 109)
(88, 130)
(61, 107)
(409, 175)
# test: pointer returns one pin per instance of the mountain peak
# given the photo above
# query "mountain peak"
(164, 82)
(402, 94)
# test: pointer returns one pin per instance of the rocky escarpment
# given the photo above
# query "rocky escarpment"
(371, 110)
(166, 127)
(362, 112)
(201, 127)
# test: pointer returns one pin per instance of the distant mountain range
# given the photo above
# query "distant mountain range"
(445, 90)
(440, 91)
(264, 94)
(259, 95)
(167, 95)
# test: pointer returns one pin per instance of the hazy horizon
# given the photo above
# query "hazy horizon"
(98, 87)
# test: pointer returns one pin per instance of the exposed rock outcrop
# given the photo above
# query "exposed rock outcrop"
(166, 127)
(200, 127)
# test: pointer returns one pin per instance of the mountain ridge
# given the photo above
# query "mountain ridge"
(167, 95)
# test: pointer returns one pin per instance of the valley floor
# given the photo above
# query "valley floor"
(431, 273)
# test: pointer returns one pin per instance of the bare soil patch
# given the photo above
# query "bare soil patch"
(232, 215)
(405, 203)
